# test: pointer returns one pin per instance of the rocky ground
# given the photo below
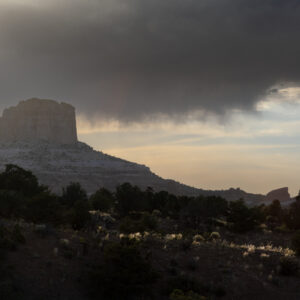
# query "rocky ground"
(54, 263)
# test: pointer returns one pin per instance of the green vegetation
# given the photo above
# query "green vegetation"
(138, 223)
(296, 242)
(102, 200)
(180, 295)
(124, 273)
(242, 217)
(113, 237)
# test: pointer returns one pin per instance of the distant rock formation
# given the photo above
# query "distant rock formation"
(41, 136)
(281, 194)
(35, 119)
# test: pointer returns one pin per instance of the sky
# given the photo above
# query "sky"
(204, 92)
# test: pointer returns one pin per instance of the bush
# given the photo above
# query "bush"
(275, 210)
(12, 204)
(215, 235)
(124, 273)
(10, 238)
(243, 218)
(292, 215)
(129, 198)
(17, 179)
(17, 235)
(296, 242)
(79, 214)
(204, 208)
(44, 208)
(5, 241)
(180, 295)
(289, 266)
(102, 200)
(72, 193)
(185, 284)
(145, 222)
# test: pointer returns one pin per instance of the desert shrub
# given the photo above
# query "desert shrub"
(8, 289)
(173, 206)
(44, 208)
(10, 238)
(215, 235)
(79, 214)
(180, 295)
(149, 221)
(216, 222)
(156, 213)
(242, 217)
(145, 222)
(68, 253)
(289, 266)
(199, 237)
(282, 228)
(275, 211)
(17, 235)
(204, 208)
(44, 230)
(65, 247)
(185, 284)
(129, 198)
(292, 215)
(124, 273)
(12, 204)
(5, 241)
(17, 179)
(128, 225)
(159, 200)
(296, 242)
(148, 199)
(73, 193)
(102, 200)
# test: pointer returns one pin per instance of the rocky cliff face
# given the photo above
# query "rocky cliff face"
(40, 135)
(39, 120)
(281, 194)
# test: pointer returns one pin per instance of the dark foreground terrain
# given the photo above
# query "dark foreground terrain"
(58, 263)
(137, 244)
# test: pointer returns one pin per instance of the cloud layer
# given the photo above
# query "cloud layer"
(132, 60)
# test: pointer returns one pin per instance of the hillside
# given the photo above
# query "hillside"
(57, 165)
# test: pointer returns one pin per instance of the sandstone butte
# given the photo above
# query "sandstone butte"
(37, 120)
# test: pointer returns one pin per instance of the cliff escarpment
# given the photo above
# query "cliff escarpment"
(36, 120)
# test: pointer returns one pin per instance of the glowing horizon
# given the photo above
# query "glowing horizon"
(255, 152)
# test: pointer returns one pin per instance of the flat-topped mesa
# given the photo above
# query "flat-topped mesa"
(37, 120)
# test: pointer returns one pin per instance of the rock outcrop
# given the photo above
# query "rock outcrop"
(281, 194)
(40, 135)
(39, 120)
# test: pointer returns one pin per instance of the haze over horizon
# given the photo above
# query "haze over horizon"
(206, 93)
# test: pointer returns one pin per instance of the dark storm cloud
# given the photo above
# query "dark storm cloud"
(131, 59)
